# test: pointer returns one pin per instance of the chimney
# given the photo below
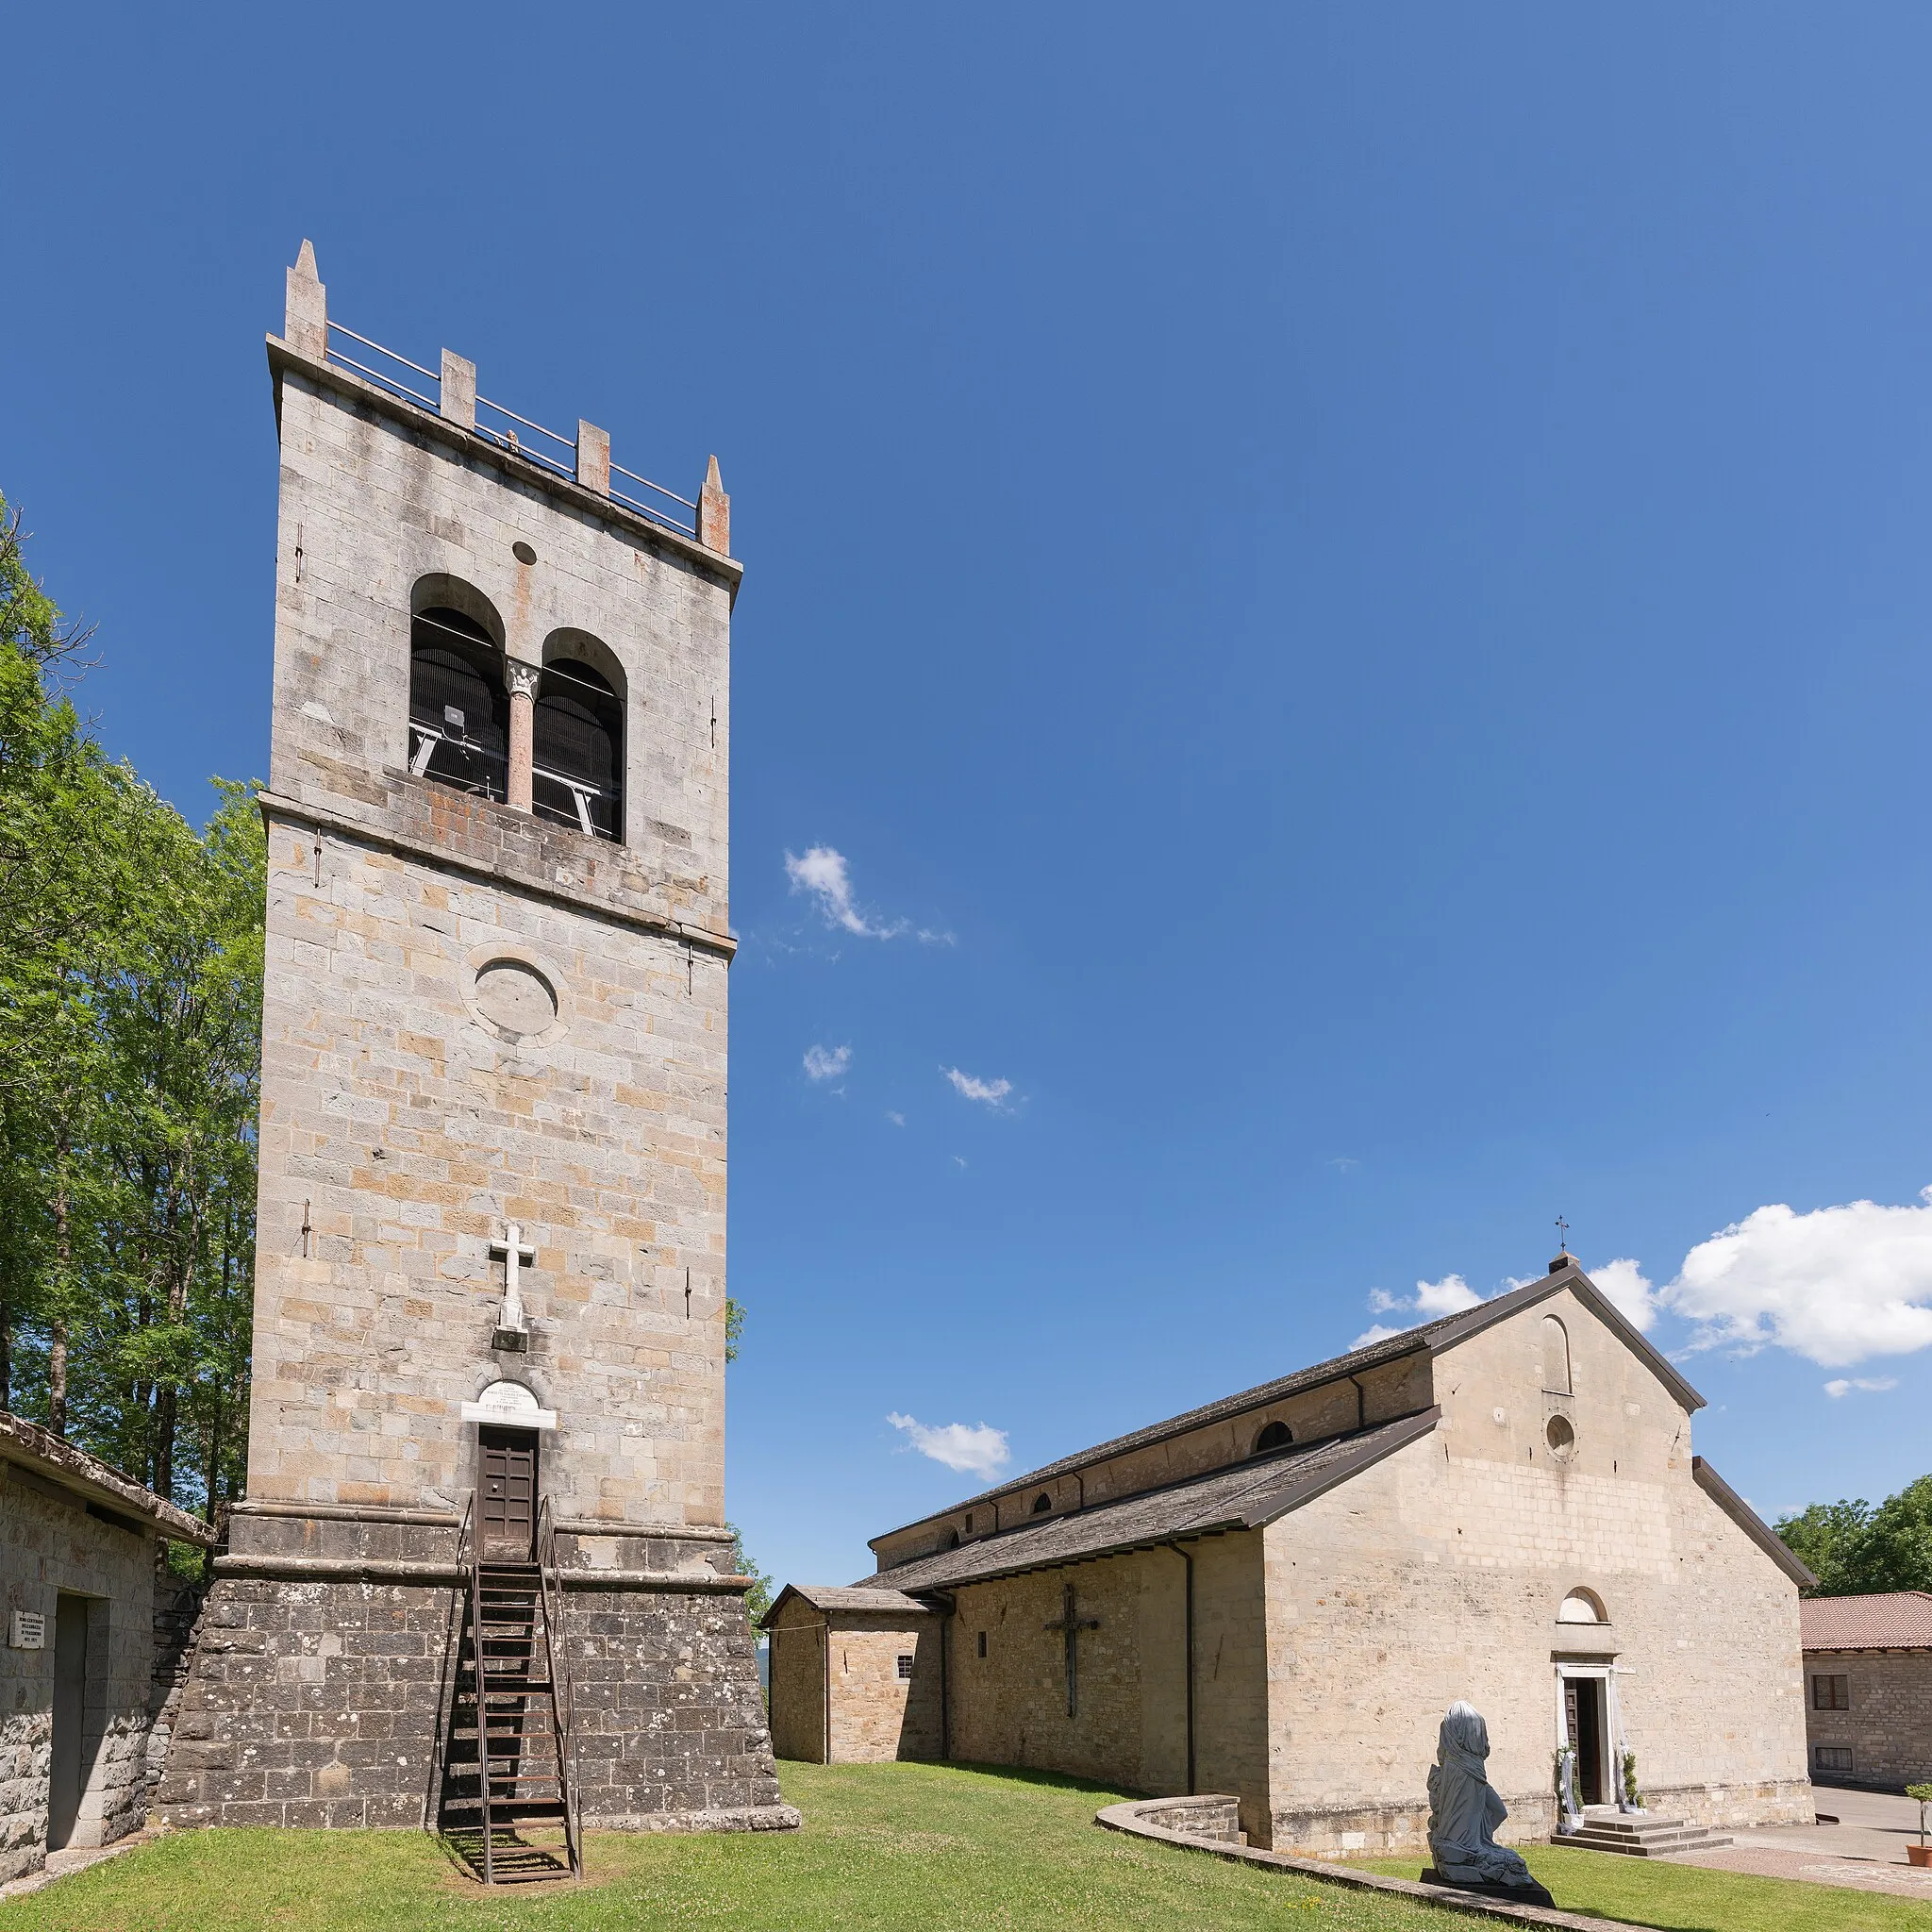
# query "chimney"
(594, 457)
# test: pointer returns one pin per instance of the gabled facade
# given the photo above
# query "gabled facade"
(1278, 1595)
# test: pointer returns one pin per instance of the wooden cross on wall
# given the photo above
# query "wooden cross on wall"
(1070, 1624)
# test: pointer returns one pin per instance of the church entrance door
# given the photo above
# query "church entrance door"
(1583, 1713)
(507, 1512)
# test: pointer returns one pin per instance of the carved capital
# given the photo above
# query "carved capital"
(521, 678)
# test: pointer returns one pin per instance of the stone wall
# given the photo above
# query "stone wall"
(876, 1715)
(1888, 1727)
(1439, 1574)
(50, 1542)
(798, 1682)
(176, 1619)
(321, 1700)
(401, 1127)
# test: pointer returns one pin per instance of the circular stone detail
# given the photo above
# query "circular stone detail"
(515, 998)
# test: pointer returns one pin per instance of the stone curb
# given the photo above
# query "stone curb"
(79, 1860)
(1127, 1819)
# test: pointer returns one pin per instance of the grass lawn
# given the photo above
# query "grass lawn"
(1686, 1898)
(885, 1848)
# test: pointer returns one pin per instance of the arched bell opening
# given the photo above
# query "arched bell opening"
(578, 742)
(458, 715)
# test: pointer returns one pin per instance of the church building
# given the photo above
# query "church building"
(482, 1576)
(1277, 1595)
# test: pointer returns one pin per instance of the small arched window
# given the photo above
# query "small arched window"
(577, 742)
(950, 1541)
(1276, 1436)
(1041, 1504)
(1582, 1606)
(457, 712)
(1556, 1357)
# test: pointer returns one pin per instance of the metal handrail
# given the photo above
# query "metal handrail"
(452, 1670)
(506, 439)
(482, 1716)
(557, 1655)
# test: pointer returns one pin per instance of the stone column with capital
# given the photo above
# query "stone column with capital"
(522, 679)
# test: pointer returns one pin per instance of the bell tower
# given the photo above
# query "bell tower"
(489, 1303)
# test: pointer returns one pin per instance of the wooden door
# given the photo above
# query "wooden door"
(1583, 1715)
(507, 1514)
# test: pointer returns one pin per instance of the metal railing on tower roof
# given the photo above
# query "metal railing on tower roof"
(506, 435)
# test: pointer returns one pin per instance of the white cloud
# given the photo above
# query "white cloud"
(826, 1062)
(1627, 1291)
(898, 1120)
(978, 1449)
(1378, 1333)
(961, 1160)
(1449, 1296)
(1876, 1384)
(824, 873)
(1836, 1285)
(992, 1094)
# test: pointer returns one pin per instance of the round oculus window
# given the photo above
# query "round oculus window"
(515, 998)
(523, 553)
(1559, 1435)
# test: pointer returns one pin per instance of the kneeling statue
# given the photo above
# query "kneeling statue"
(1464, 1812)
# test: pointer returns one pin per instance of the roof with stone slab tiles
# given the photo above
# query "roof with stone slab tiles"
(1247, 1496)
(55, 1459)
(1894, 1620)
(1434, 1337)
(824, 1596)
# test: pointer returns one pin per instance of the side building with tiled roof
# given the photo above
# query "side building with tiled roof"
(1868, 1685)
(1277, 1596)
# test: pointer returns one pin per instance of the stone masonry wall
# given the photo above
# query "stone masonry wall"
(1888, 1728)
(1438, 1572)
(400, 1126)
(798, 1683)
(322, 1702)
(177, 1614)
(49, 1543)
(1131, 1725)
(878, 1716)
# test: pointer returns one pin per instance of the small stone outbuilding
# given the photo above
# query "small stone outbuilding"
(856, 1675)
(1868, 1688)
(92, 1628)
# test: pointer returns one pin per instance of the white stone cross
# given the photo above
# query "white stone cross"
(513, 1252)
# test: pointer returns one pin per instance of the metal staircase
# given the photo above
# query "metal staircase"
(507, 1763)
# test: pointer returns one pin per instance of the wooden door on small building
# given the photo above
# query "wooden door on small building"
(507, 1512)
(67, 1768)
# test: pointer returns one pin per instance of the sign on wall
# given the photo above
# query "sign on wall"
(27, 1631)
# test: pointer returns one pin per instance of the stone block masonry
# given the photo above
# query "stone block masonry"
(492, 1142)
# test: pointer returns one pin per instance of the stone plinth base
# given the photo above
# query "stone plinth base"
(1530, 1894)
(320, 1685)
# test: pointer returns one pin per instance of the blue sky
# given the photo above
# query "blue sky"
(1360, 574)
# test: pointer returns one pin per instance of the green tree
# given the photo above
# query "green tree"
(130, 1005)
(1854, 1549)
(758, 1599)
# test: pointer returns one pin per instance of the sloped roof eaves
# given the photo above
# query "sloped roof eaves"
(1430, 1338)
(1752, 1524)
(1887, 1619)
(1247, 1496)
(829, 1597)
(59, 1460)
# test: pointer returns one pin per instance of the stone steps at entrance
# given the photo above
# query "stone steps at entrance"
(1639, 1837)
